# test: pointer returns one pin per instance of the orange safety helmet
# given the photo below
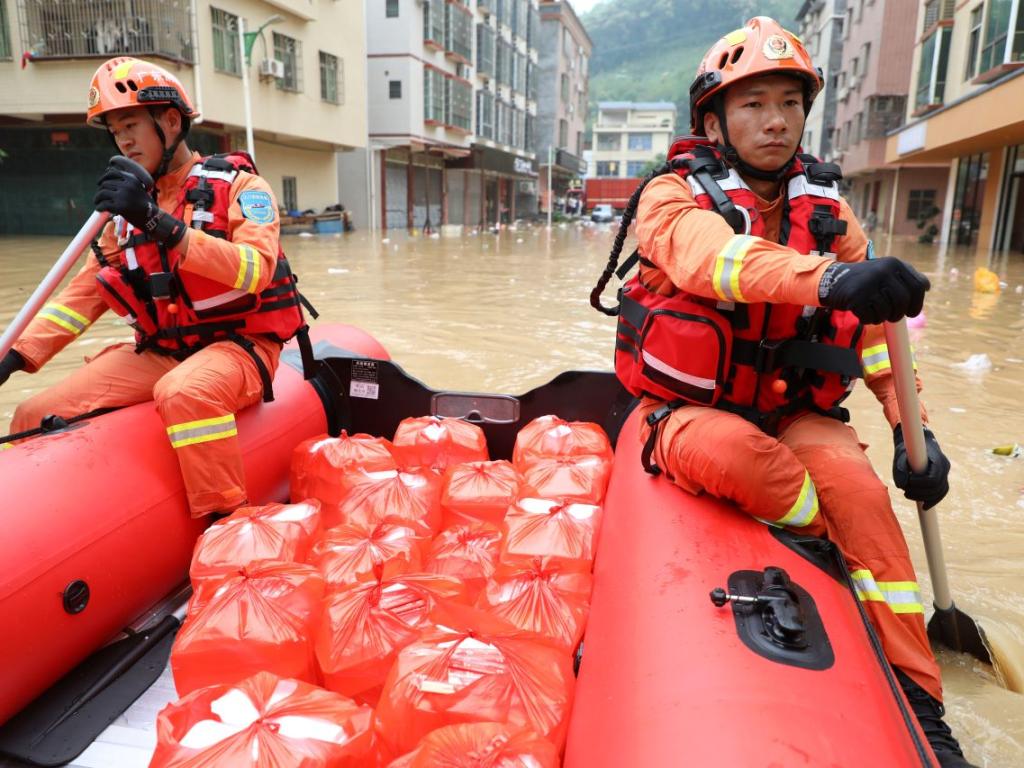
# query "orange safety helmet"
(126, 82)
(760, 47)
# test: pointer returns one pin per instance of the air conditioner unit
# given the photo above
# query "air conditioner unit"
(272, 68)
(853, 82)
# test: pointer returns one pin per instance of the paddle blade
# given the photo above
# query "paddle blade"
(955, 629)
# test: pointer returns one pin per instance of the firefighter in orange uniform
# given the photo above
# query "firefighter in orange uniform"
(773, 303)
(193, 265)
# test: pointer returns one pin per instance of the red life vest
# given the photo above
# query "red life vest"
(684, 348)
(177, 312)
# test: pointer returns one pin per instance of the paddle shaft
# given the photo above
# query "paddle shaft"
(898, 342)
(85, 235)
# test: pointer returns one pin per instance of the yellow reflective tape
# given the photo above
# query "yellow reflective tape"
(204, 438)
(175, 428)
(69, 311)
(899, 586)
(906, 607)
(65, 317)
(805, 508)
(248, 269)
(728, 264)
(61, 322)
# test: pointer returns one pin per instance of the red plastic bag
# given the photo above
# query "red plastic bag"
(478, 490)
(281, 532)
(577, 478)
(552, 436)
(472, 667)
(264, 722)
(263, 617)
(350, 553)
(408, 498)
(365, 625)
(318, 463)
(544, 595)
(469, 553)
(430, 442)
(481, 745)
(546, 528)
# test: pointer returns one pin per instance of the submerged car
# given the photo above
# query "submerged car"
(602, 213)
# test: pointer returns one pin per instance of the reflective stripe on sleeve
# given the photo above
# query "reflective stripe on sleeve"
(248, 269)
(728, 264)
(202, 431)
(900, 596)
(876, 359)
(65, 317)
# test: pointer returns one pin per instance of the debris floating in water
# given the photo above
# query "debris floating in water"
(975, 363)
(336, 271)
(1011, 451)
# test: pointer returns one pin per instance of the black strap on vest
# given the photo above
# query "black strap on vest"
(766, 356)
(706, 168)
(654, 420)
(268, 382)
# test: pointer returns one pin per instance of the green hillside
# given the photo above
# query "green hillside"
(648, 50)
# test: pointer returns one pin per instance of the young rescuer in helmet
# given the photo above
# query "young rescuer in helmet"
(194, 265)
(750, 240)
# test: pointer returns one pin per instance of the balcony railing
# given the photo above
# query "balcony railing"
(104, 28)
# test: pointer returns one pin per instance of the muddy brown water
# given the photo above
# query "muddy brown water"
(505, 313)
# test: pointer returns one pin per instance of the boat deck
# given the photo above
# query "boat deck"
(130, 740)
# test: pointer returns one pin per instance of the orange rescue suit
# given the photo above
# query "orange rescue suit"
(813, 475)
(198, 397)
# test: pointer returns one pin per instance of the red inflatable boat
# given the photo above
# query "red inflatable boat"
(96, 529)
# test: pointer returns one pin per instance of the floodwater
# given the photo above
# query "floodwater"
(505, 313)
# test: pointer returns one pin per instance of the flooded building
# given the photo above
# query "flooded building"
(964, 112)
(452, 104)
(564, 60)
(628, 135)
(820, 26)
(306, 60)
(872, 86)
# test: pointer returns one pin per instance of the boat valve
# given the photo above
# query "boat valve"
(781, 614)
(720, 597)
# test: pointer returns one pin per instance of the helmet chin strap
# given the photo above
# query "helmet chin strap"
(732, 155)
(168, 153)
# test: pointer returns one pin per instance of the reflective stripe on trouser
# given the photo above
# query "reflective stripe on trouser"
(197, 401)
(720, 453)
(65, 317)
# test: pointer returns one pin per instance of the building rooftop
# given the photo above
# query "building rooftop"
(636, 105)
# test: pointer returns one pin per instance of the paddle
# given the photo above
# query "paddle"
(86, 235)
(948, 625)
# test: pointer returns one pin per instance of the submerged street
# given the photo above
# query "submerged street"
(505, 313)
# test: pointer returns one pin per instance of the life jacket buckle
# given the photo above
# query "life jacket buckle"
(161, 285)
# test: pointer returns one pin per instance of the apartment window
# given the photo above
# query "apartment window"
(5, 42)
(434, 92)
(865, 57)
(607, 168)
(609, 142)
(563, 134)
(531, 81)
(641, 141)
(461, 101)
(290, 188)
(329, 81)
(225, 41)
(635, 168)
(920, 203)
(485, 114)
(854, 67)
(997, 25)
(433, 21)
(459, 37)
(289, 50)
(394, 89)
(391, 9)
(579, 143)
(974, 41)
(485, 50)
(565, 88)
(931, 75)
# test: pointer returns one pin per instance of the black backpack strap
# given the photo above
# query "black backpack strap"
(655, 419)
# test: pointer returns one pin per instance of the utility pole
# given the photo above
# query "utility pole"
(551, 202)
(244, 61)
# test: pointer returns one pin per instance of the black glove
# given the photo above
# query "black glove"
(12, 362)
(876, 290)
(928, 488)
(122, 194)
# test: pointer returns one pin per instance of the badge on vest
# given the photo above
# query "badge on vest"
(257, 206)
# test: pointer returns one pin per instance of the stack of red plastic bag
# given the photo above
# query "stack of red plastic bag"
(548, 596)
(349, 553)
(471, 667)
(478, 491)
(468, 553)
(282, 532)
(264, 722)
(365, 625)
(262, 618)
(570, 478)
(481, 745)
(319, 463)
(430, 442)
